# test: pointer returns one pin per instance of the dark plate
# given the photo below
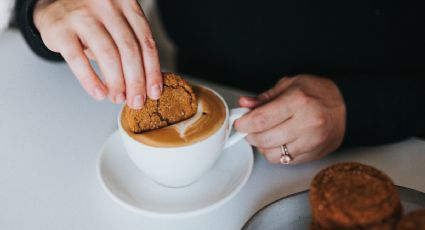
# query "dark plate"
(293, 212)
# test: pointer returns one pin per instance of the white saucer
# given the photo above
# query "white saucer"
(134, 190)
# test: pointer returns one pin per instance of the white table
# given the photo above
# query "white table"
(51, 132)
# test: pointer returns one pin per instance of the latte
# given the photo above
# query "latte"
(208, 119)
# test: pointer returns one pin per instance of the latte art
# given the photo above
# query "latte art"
(182, 126)
(208, 119)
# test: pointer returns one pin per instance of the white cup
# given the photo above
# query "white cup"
(182, 166)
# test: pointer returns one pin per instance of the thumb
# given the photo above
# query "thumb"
(248, 102)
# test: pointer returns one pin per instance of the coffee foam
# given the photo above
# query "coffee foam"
(181, 127)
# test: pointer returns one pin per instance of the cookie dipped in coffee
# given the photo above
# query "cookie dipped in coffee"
(207, 119)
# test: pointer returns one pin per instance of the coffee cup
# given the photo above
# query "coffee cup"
(179, 166)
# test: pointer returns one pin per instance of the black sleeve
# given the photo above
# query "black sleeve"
(24, 19)
(382, 110)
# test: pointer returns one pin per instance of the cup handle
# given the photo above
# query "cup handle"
(237, 136)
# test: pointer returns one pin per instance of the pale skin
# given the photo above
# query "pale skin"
(306, 113)
(114, 33)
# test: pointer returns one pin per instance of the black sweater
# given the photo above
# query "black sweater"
(374, 50)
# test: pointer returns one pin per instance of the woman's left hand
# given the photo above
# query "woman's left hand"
(306, 113)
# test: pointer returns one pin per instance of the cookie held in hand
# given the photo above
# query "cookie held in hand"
(177, 103)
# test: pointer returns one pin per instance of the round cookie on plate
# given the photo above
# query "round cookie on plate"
(354, 196)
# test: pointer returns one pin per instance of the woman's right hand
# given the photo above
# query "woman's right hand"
(114, 33)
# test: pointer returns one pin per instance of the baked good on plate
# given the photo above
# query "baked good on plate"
(354, 196)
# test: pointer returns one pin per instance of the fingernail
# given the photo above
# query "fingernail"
(99, 94)
(138, 102)
(248, 101)
(119, 98)
(156, 92)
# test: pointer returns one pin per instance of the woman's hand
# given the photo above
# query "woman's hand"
(306, 113)
(116, 34)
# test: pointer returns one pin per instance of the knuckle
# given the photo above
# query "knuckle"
(155, 77)
(53, 35)
(303, 99)
(149, 43)
(134, 80)
(259, 120)
(57, 27)
(71, 56)
(85, 81)
(80, 17)
(80, 12)
(267, 96)
(135, 87)
(107, 52)
(116, 85)
(131, 47)
(319, 119)
(104, 3)
(265, 141)
(136, 8)
(108, 2)
(300, 97)
(88, 84)
(135, 5)
(116, 89)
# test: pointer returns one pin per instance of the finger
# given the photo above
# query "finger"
(273, 154)
(89, 54)
(248, 102)
(87, 51)
(131, 57)
(150, 57)
(285, 132)
(99, 41)
(266, 116)
(74, 55)
(252, 102)
(295, 150)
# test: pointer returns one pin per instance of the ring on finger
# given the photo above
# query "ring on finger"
(285, 157)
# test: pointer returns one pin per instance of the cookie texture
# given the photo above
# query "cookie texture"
(413, 221)
(177, 103)
(354, 196)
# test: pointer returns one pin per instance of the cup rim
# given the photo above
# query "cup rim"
(226, 108)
